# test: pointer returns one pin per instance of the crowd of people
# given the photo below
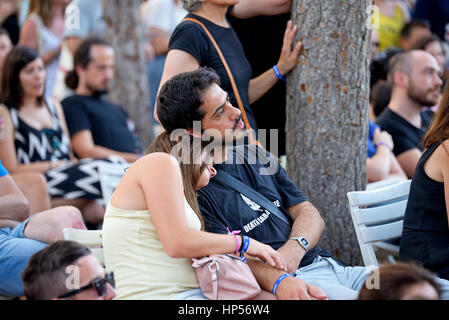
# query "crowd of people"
(57, 128)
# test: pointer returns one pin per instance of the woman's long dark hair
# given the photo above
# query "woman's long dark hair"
(190, 169)
(11, 91)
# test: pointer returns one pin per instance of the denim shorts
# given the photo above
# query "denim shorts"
(15, 251)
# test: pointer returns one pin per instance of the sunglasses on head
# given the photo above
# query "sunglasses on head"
(99, 284)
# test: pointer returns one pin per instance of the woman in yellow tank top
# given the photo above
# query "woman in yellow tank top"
(152, 227)
(393, 15)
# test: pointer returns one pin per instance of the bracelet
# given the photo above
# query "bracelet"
(278, 281)
(234, 233)
(383, 144)
(278, 74)
(244, 248)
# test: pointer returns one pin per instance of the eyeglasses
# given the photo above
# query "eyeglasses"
(99, 284)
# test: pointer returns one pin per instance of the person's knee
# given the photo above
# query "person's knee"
(71, 217)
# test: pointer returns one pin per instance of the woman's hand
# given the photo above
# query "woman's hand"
(267, 254)
(289, 55)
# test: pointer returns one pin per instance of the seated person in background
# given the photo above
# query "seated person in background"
(425, 234)
(36, 137)
(381, 164)
(416, 82)
(401, 281)
(21, 235)
(97, 127)
(48, 274)
(433, 45)
(413, 31)
(153, 226)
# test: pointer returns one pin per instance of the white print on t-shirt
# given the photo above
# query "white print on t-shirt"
(259, 220)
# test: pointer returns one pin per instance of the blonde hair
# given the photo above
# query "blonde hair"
(43, 8)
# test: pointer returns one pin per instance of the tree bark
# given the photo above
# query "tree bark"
(327, 113)
(130, 86)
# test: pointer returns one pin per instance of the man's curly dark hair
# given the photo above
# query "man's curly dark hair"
(180, 98)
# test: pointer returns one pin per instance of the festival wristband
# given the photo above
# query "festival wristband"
(278, 281)
(277, 73)
(383, 144)
(244, 248)
(237, 245)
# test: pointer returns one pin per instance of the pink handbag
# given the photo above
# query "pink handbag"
(225, 277)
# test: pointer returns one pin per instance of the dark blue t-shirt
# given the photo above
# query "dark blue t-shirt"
(372, 149)
(110, 125)
(223, 207)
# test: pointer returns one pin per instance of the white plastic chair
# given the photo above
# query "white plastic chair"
(377, 216)
(110, 175)
(89, 238)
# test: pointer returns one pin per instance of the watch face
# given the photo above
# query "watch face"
(304, 242)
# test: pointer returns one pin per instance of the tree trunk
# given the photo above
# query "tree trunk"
(327, 113)
(130, 85)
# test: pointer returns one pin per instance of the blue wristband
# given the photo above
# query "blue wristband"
(278, 74)
(278, 281)
(244, 248)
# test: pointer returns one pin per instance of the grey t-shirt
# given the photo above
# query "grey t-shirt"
(84, 18)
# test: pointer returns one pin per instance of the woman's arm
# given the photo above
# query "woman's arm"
(159, 40)
(165, 202)
(288, 59)
(445, 173)
(28, 37)
(177, 61)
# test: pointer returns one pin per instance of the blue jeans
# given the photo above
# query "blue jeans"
(15, 251)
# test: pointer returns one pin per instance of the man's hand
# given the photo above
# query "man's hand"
(293, 254)
(292, 288)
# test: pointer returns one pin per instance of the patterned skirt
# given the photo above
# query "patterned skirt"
(79, 180)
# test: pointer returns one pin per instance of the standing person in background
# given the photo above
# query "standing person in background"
(9, 19)
(393, 16)
(161, 18)
(43, 31)
(190, 48)
(437, 13)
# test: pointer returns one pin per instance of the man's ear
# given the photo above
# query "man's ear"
(401, 79)
(191, 132)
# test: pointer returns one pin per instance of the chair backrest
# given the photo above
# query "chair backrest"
(89, 238)
(110, 175)
(377, 215)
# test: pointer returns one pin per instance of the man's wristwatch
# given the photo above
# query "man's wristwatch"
(302, 242)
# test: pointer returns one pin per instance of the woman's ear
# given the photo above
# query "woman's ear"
(193, 133)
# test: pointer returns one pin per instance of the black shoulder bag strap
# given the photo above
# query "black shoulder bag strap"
(228, 180)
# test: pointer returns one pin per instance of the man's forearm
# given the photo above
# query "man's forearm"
(308, 224)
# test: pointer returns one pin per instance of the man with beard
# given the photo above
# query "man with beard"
(98, 128)
(416, 81)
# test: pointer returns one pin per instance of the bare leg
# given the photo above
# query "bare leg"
(34, 187)
(92, 211)
(47, 225)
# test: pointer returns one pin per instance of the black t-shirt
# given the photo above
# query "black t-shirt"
(254, 34)
(425, 236)
(110, 125)
(191, 38)
(222, 207)
(405, 135)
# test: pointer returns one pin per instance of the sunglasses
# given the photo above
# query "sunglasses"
(99, 284)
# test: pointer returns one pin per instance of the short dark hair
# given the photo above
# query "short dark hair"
(401, 62)
(11, 91)
(415, 23)
(45, 275)
(395, 279)
(82, 57)
(180, 98)
(380, 96)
